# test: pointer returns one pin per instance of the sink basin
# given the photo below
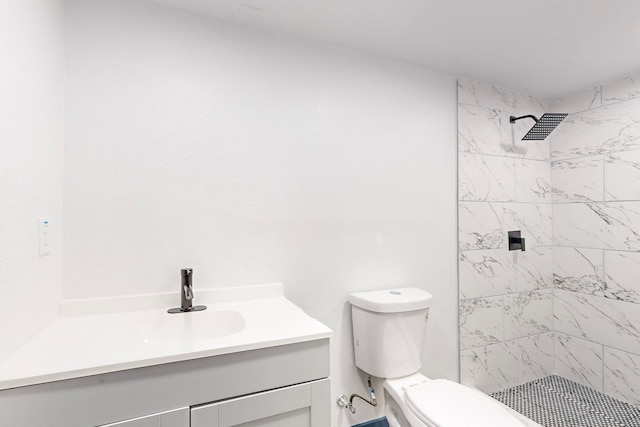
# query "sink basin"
(189, 327)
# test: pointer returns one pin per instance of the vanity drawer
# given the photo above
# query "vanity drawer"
(303, 405)
(177, 418)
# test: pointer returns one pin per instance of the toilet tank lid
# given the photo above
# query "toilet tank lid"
(392, 300)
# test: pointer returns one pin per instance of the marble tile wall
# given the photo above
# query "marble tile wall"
(578, 360)
(570, 304)
(595, 187)
(506, 318)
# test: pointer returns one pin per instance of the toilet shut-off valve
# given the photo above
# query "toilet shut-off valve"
(348, 403)
(343, 402)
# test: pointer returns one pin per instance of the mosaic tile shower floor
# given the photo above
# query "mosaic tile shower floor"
(557, 402)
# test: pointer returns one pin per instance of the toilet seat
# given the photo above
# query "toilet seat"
(444, 403)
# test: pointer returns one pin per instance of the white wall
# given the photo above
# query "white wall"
(31, 158)
(254, 158)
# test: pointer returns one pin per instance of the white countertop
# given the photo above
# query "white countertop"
(106, 335)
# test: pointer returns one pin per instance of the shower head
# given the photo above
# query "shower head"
(543, 126)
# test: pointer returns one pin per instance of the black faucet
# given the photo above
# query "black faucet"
(186, 294)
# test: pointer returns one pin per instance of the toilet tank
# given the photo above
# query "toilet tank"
(388, 330)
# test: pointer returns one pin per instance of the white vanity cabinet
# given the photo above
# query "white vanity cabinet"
(302, 405)
(284, 386)
(177, 418)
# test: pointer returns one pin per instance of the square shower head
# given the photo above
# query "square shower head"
(544, 126)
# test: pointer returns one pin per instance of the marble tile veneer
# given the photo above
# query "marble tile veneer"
(606, 225)
(608, 129)
(481, 321)
(612, 323)
(501, 318)
(490, 368)
(533, 181)
(527, 313)
(479, 130)
(486, 178)
(594, 180)
(621, 89)
(622, 375)
(621, 276)
(491, 272)
(536, 356)
(485, 273)
(534, 269)
(622, 172)
(578, 270)
(480, 226)
(488, 95)
(533, 219)
(577, 179)
(504, 184)
(581, 100)
(578, 360)
(497, 366)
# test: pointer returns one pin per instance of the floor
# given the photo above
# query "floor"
(557, 402)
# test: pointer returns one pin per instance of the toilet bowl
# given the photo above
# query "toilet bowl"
(388, 332)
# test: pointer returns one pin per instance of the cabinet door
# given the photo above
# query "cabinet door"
(303, 405)
(177, 418)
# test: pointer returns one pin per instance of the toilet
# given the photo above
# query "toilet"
(388, 334)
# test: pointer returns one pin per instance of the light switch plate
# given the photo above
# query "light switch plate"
(43, 229)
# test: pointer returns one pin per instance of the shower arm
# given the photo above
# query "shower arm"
(513, 119)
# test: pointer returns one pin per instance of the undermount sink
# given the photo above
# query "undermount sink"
(190, 327)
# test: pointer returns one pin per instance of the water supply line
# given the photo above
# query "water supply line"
(342, 399)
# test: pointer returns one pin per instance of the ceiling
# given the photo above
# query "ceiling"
(542, 47)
